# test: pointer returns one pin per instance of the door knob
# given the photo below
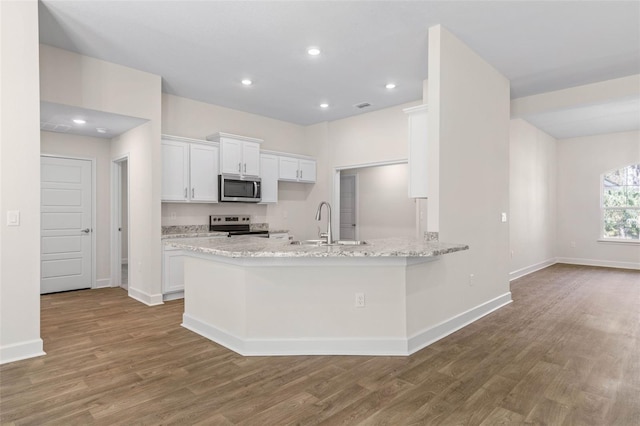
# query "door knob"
(85, 230)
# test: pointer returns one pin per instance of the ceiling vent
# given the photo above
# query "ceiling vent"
(362, 105)
(52, 127)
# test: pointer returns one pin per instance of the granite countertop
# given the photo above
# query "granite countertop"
(198, 231)
(247, 246)
(194, 235)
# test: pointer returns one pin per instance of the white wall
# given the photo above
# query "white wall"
(19, 182)
(469, 120)
(77, 80)
(532, 198)
(76, 146)
(581, 162)
(385, 210)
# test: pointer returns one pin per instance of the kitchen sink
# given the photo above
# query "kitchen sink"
(324, 243)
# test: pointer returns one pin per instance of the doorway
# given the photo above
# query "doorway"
(120, 234)
(67, 223)
(348, 206)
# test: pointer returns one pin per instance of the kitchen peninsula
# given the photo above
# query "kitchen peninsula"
(259, 296)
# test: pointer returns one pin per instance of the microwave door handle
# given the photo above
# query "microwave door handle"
(255, 189)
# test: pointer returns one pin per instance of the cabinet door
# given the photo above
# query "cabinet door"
(307, 171)
(230, 156)
(251, 159)
(288, 169)
(269, 178)
(418, 154)
(204, 173)
(173, 271)
(175, 171)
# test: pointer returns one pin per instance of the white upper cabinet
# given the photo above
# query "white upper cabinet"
(230, 157)
(239, 155)
(307, 171)
(297, 169)
(288, 168)
(175, 171)
(189, 171)
(251, 159)
(204, 173)
(418, 151)
(269, 178)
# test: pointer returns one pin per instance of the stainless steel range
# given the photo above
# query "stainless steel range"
(234, 225)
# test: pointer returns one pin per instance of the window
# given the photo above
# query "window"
(621, 203)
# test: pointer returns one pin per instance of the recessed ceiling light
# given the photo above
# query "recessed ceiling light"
(247, 82)
(390, 86)
(313, 51)
(101, 130)
(79, 121)
(324, 105)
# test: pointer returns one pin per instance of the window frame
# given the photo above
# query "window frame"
(615, 240)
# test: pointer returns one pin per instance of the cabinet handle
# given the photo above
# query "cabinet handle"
(193, 192)
(239, 167)
(300, 174)
(245, 167)
(297, 174)
(185, 192)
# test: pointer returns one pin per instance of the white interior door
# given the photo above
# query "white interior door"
(66, 222)
(348, 196)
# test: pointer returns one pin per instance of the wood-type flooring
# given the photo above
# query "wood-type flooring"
(565, 352)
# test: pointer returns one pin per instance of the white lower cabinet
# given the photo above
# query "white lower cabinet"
(173, 272)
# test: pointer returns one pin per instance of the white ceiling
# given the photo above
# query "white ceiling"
(202, 49)
(59, 118)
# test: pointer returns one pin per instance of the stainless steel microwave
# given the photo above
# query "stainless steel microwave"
(239, 189)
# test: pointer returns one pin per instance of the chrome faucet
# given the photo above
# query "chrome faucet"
(328, 235)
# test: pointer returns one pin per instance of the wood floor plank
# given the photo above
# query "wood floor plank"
(564, 352)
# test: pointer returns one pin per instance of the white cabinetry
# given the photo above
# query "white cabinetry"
(189, 171)
(173, 272)
(296, 169)
(175, 171)
(239, 155)
(418, 151)
(203, 173)
(269, 178)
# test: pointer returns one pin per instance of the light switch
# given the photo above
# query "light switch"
(503, 217)
(13, 218)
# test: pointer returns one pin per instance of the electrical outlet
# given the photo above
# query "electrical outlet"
(512, 253)
(359, 300)
(503, 217)
(173, 215)
(471, 280)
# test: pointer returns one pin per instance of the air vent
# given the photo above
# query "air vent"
(362, 105)
(52, 127)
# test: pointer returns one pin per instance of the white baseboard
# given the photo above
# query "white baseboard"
(533, 268)
(103, 283)
(392, 346)
(147, 299)
(173, 296)
(431, 335)
(20, 351)
(279, 347)
(596, 262)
